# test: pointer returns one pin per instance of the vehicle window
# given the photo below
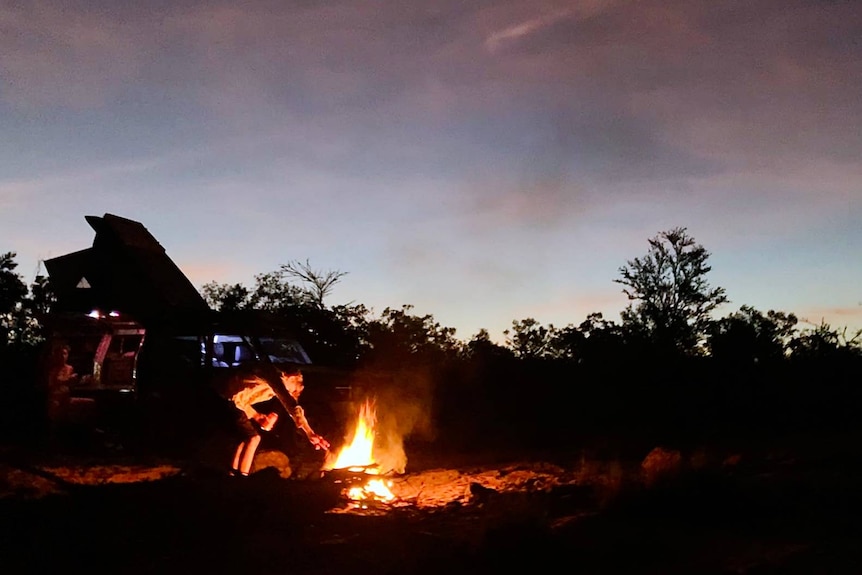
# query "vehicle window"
(125, 345)
(283, 350)
(232, 351)
(184, 350)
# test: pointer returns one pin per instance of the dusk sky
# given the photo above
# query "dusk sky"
(484, 161)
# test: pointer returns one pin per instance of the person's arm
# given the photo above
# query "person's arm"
(67, 374)
(291, 406)
(296, 413)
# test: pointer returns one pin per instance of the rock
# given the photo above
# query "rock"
(661, 464)
(478, 493)
(273, 459)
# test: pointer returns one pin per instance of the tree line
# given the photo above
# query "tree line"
(670, 316)
(668, 368)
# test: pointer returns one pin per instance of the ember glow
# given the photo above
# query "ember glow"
(358, 456)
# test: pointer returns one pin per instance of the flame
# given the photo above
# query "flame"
(358, 456)
(359, 453)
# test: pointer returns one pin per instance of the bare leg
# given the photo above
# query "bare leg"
(247, 456)
(237, 456)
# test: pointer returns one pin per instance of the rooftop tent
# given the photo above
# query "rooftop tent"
(126, 270)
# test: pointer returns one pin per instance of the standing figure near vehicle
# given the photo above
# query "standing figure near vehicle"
(246, 389)
(61, 376)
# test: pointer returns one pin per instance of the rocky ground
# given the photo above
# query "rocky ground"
(761, 511)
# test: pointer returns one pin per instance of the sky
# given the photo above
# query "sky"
(483, 161)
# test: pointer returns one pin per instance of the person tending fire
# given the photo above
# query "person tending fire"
(246, 389)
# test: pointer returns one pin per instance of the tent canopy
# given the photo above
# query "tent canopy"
(126, 270)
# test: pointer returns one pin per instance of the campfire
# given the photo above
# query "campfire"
(356, 461)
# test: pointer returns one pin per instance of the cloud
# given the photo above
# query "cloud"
(679, 86)
(53, 54)
(535, 17)
(513, 33)
(836, 317)
(574, 305)
(497, 204)
(523, 116)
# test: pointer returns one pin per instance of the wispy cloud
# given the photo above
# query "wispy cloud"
(515, 32)
(835, 317)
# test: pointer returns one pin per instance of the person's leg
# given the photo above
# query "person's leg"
(237, 457)
(244, 453)
(247, 457)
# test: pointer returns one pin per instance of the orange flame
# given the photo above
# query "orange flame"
(358, 455)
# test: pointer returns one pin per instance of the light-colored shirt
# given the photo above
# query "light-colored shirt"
(257, 390)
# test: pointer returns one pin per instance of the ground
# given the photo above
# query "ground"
(761, 510)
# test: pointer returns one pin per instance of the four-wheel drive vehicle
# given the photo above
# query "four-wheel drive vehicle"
(142, 340)
(123, 369)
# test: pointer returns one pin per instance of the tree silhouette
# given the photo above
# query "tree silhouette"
(335, 337)
(319, 283)
(750, 336)
(594, 340)
(13, 292)
(823, 342)
(673, 298)
(42, 296)
(481, 346)
(529, 339)
(273, 292)
(226, 297)
(399, 335)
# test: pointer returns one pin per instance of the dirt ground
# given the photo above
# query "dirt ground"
(762, 511)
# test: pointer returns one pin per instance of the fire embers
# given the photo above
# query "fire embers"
(355, 465)
(364, 492)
